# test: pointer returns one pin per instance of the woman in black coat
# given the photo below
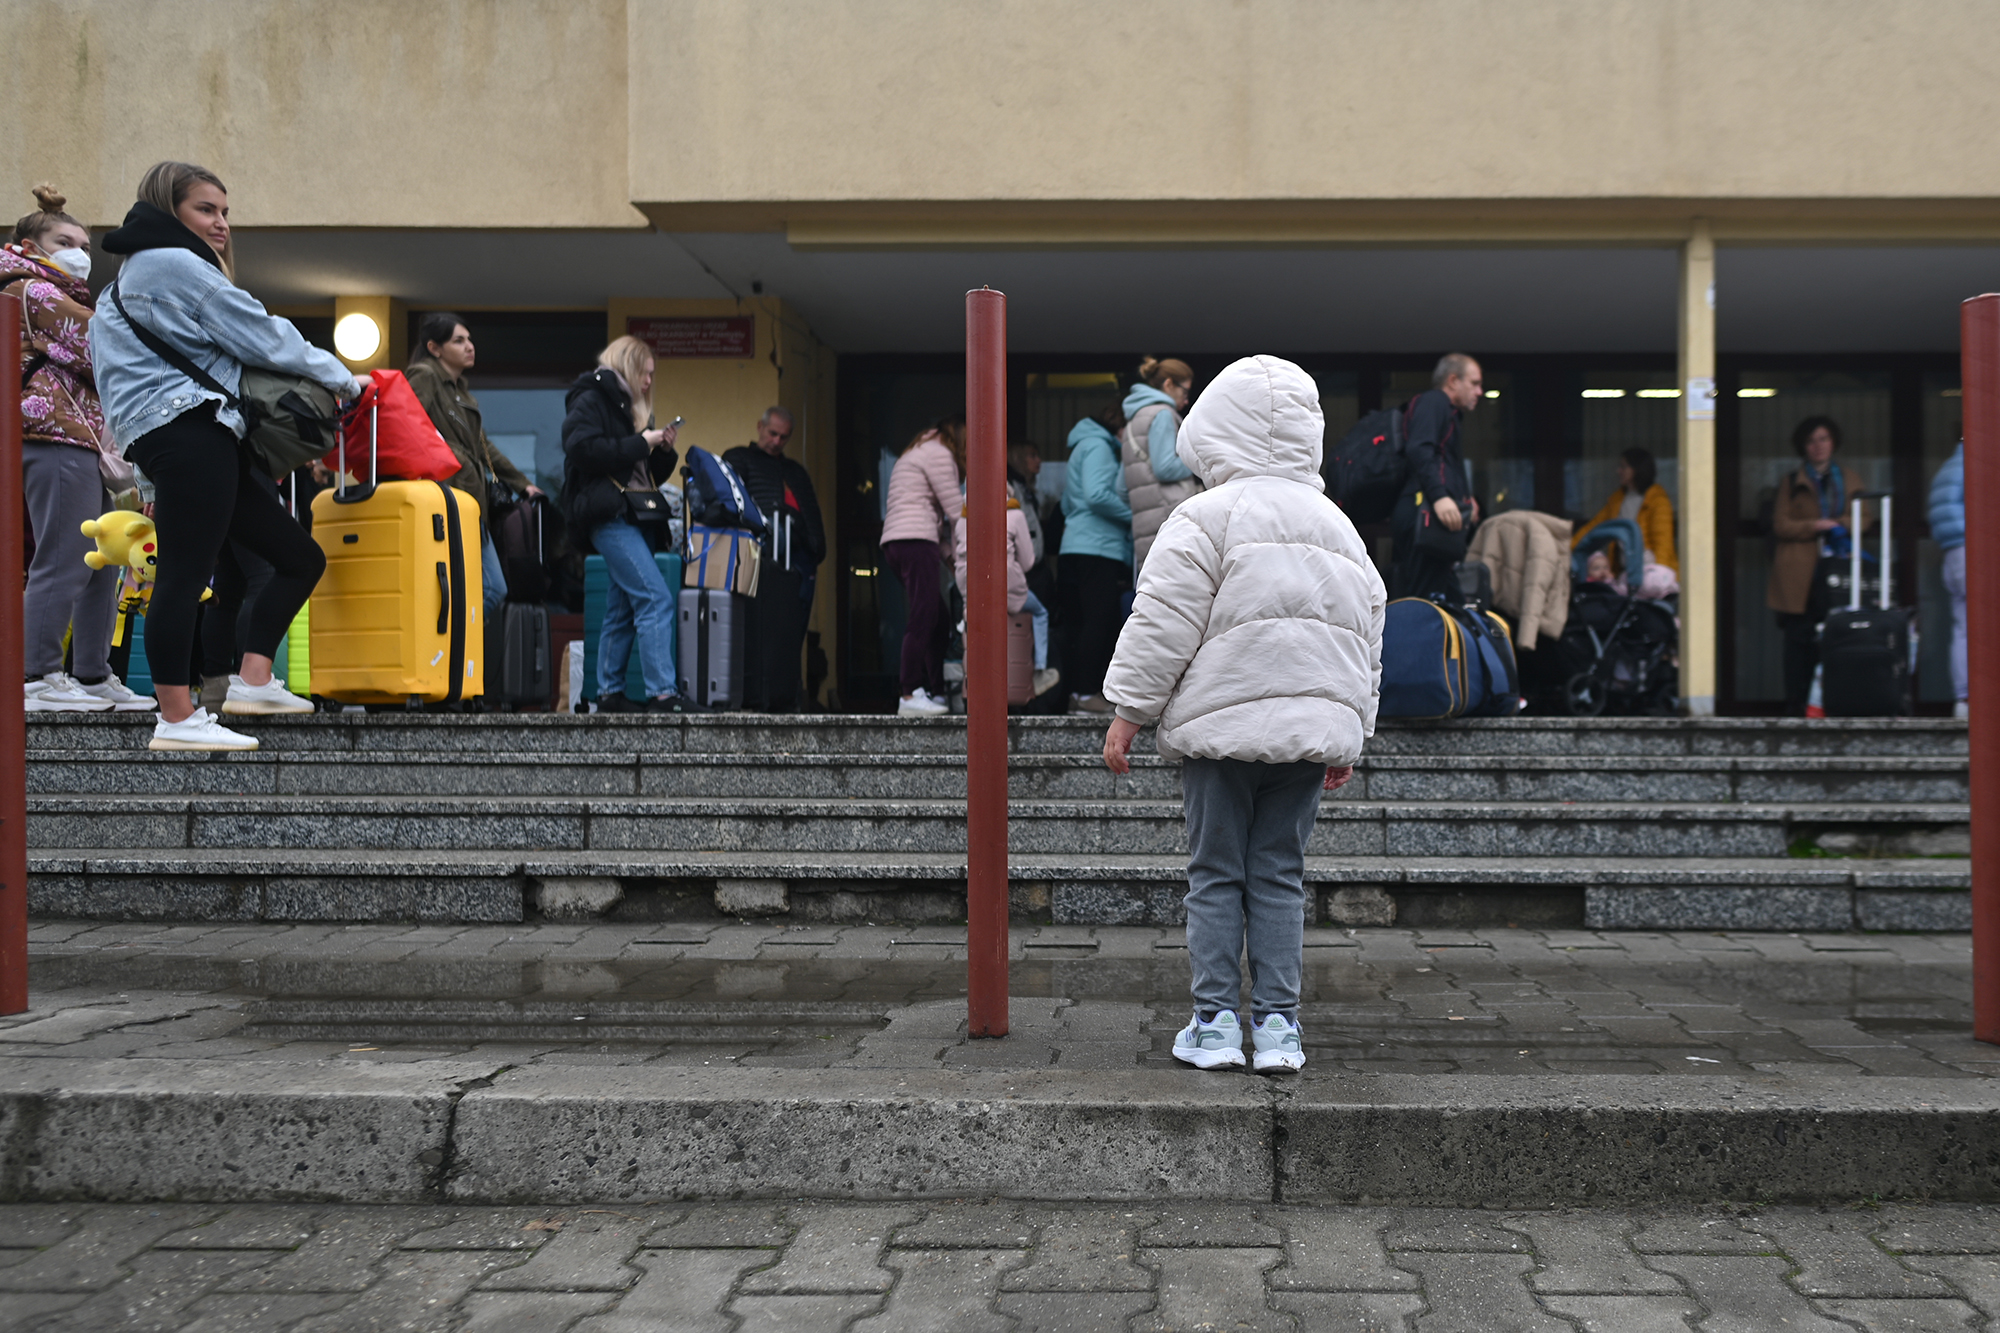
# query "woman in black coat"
(610, 447)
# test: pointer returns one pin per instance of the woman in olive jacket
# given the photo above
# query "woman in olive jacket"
(437, 373)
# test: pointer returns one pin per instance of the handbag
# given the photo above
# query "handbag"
(644, 508)
(1433, 538)
(288, 420)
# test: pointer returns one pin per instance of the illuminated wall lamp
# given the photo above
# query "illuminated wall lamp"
(357, 337)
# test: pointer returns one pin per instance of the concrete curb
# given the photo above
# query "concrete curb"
(222, 1131)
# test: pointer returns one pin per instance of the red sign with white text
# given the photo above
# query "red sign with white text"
(724, 337)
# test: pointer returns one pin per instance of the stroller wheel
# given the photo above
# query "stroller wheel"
(1584, 694)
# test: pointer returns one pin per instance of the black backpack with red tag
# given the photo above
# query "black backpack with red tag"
(1365, 471)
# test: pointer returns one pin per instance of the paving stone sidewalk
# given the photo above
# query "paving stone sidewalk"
(995, 1265)
(1389, 1000)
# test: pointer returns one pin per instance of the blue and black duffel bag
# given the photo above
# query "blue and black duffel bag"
(1441, 661)
(715, 496)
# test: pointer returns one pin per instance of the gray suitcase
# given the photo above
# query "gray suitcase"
(712, 626)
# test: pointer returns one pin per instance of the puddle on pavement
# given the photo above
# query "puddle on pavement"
(1351, 1012)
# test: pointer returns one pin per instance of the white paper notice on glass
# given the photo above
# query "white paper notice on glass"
(1700, 399)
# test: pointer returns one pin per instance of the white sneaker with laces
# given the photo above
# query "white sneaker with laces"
(271, 697)
(920, 703)
(1278, 1047)
(120, 696)
(60, 692)
(1211, 1045)
(1045, 680)
(198, 731)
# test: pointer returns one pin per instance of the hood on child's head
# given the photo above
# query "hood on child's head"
(1258, 418)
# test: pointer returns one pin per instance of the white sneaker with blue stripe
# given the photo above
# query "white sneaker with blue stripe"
(1277, 1044)
(1210, 1045)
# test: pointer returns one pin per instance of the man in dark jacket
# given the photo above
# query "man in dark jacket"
(1436, 480)
(794, 544)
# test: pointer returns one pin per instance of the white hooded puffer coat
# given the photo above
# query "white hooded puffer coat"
(1256, 632)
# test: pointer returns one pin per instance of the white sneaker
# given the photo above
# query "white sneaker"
(122, 699)
(272, 697)
(1045, 680)
(1961, 710)
(920, 703)
(198, 731)
(1277, 1043)
(60, 692)
(1211, 1045)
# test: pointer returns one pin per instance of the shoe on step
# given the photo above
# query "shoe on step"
(1092, 703)
(198, 731)
(1212, 1045)
(1278, 1046)
(920, 703)
(60, 692)
(271, 697)
(121, 698)
(1045, 680)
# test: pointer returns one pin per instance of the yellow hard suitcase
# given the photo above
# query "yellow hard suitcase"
(396, 617)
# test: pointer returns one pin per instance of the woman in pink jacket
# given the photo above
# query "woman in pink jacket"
(925, 494)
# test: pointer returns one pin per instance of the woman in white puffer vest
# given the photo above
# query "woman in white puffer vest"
(1255, 642)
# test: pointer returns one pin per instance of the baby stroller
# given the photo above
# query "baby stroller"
(1618, 651)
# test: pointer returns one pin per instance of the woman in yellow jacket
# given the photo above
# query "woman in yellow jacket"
(1645, 502)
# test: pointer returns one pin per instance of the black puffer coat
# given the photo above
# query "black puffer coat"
(600, 449)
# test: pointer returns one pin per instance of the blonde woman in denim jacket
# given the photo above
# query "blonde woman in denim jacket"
(179, 284)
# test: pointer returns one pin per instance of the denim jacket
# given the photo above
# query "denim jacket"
(217, 325)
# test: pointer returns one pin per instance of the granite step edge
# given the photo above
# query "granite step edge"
(469, 1132)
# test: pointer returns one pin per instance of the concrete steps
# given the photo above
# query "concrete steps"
(441, 817)
(239, 884)
(1906, 779)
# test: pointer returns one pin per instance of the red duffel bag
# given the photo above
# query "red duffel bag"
(407, 446)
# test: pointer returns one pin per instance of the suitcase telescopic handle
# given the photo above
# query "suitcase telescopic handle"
(1854, 555)
(1888, 507)
(340, 495)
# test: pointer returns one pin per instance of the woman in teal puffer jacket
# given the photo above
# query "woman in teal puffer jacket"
(1095, 569)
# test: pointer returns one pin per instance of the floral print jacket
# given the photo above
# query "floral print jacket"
(59, 397)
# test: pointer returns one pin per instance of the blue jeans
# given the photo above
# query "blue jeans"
(638, 606)
(1247, 826)
(492, 580)
(1033, 606)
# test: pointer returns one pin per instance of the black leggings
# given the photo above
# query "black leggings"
(204, 495)
(1092, 589)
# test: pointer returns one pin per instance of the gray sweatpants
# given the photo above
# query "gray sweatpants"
(63, 489)
(1247, 826)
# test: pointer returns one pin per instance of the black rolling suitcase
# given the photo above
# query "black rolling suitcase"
(1864, 653)
(712, 625)
(520, 666)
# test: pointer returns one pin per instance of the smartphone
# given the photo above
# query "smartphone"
(675, 424)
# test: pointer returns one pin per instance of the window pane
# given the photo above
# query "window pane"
(1622, 410)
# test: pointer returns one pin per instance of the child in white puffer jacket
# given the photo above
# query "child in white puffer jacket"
(1255, 642)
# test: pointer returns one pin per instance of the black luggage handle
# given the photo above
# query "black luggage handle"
(340, 495)
(444, 598)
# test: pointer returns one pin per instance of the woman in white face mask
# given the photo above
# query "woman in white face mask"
(68, 465)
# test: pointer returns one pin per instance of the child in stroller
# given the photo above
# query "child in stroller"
(1619, 650)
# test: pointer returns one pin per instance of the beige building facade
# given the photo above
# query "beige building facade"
(1784, 197)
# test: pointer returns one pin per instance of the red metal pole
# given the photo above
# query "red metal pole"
(13, 717)
(986, 661)
(1979, 343)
